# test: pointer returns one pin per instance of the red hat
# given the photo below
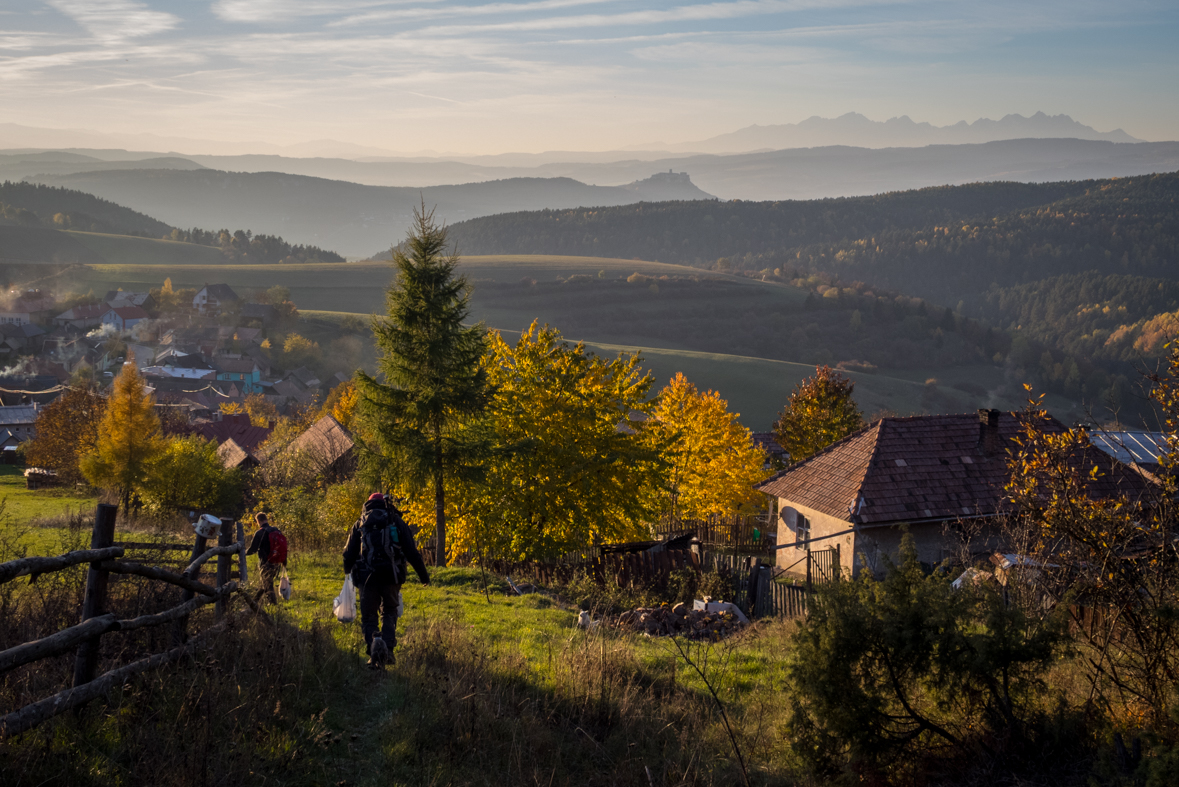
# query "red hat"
(375, 496)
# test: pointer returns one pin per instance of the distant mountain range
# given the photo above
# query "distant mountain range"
(353, 219)
(855, 130)
(851, 129)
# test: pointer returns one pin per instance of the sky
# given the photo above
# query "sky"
(480, 77)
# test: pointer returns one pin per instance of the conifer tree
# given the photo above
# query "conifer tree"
(431, 365)
(129, 438)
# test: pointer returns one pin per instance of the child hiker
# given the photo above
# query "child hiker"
(378, 547)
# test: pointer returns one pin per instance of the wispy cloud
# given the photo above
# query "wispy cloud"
(116, 20)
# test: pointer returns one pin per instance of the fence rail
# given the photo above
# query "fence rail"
(745, 535)
(752, 585)
(106, 558)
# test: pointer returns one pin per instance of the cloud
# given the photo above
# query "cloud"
(262, 11)
(116, 20)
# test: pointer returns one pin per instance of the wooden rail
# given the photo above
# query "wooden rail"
(43, 565)
(104, 559)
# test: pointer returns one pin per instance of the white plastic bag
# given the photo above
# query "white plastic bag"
(344, 606)
(284, 586)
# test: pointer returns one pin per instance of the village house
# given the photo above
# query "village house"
(930, 473)
(214, 298)
(82, 317)
(242, 370)
(143, 300)
(19, 421)
(123, 318)
(31, 307)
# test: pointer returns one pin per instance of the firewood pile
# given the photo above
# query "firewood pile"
(680, 621)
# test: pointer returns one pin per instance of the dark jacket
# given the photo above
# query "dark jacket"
(352, 564)
(261, 544)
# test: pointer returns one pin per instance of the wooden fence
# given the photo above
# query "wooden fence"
(753, 586)
(743, 535)
(106, 558)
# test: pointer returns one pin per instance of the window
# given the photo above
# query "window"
(802, 527)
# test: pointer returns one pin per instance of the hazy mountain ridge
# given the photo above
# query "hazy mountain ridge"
(354, 219)
(804, 173)
(856, 130)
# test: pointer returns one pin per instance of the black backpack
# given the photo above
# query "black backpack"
(380, 543)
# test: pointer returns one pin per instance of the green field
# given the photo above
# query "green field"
(127, 250)
(675, 330)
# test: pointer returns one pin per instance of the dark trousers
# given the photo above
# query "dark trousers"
(378, 609)
(267, 573)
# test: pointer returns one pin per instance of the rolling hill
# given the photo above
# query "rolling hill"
(351, 218)
(750, 340)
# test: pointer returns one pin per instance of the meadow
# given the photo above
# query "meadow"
(708, 326)
(487, 689)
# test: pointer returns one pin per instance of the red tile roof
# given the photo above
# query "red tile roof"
(235, 427)
(923, 468)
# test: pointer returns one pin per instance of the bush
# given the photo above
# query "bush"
(889, 672)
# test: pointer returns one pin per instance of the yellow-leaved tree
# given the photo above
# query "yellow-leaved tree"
(712, 460)
(129, 439)
(568, 465)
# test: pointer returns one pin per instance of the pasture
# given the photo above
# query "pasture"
(712, 327)
(129, 250)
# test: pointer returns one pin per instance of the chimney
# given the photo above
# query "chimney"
(988, 432)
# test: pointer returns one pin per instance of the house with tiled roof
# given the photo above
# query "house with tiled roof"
(32, 306)
(243, 370)
(238, 428)
(214, 298)
(325, 450)
(88, 315)
(143, 300)
(123, 318)
(930, 473)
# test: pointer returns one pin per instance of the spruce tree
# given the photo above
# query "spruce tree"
(431, 365)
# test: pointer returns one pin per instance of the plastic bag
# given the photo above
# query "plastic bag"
(344, 607)
(284, 586)
(400, 604)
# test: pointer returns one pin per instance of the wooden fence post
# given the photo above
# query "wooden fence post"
(199, 545)
(223, 540)
(103, 535)
(242, 575)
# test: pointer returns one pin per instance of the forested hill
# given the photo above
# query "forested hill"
(948, 243)
(84, 211)
(28, 210)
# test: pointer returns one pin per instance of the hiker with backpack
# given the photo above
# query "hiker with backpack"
(270, 544)
(379, 546)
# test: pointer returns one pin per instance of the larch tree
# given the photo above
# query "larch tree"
(129, 439)
(712, 460)
(820, 411)
(433, 379)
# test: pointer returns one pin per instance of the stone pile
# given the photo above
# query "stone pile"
(680, 620)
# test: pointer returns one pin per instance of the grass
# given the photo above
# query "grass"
(23, 507)
(507, 692)
(129, 250)
(669, 331)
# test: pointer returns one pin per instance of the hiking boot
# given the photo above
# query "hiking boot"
(378, 653)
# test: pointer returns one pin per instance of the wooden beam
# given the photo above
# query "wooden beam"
(204, 557)
(150, 545)
(151, 572)
(15, 569)
(62, 641)
(178, 611)
(31, 715)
